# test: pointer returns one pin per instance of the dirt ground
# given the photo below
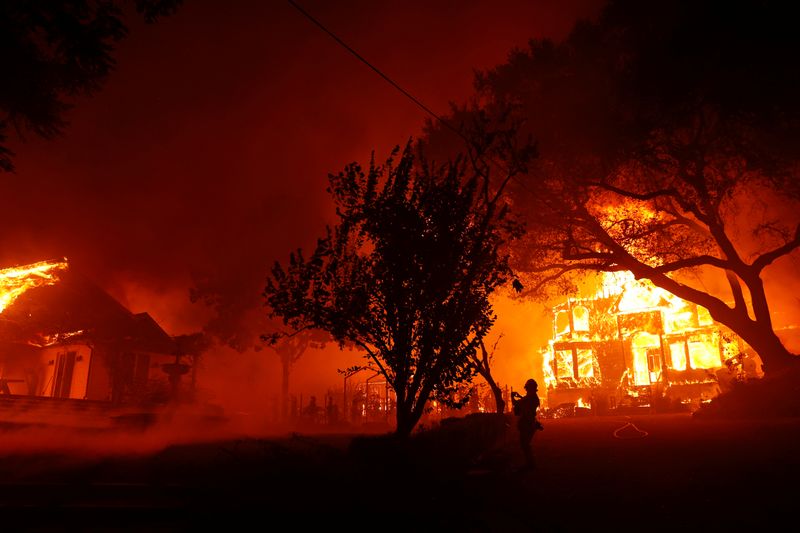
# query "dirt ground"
(620, 473)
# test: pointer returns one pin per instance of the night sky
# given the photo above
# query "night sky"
(206, 152)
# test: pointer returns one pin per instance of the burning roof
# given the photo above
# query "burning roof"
(48, 302)
(15, 281)
(62, 336)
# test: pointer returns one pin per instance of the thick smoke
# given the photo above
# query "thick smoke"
(205, 155)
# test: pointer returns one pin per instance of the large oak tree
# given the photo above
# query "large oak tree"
(669, 139)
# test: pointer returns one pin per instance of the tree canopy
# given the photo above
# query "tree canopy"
(668, 134)
(406, 273)
(53, 52)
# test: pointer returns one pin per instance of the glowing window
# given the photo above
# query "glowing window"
(580, 318)
(585, 364)
(564, 368)
(677, 352)
(654, 364)
(679, 320)
(641, 346)
(704, 352)
(703, 316)
(641, 375)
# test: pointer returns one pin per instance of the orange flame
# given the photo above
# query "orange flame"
(16, 280)
(686, 338)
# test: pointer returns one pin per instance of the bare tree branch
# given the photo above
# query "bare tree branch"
(766, 259)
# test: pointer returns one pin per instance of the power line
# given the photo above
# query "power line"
(379, 72)
(397, 86)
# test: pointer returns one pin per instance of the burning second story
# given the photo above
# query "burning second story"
(634, 342)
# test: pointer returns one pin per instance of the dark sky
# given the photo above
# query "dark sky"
(207, 150)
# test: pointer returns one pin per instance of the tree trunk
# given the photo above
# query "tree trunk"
(758, 333)
(285, 369)
(483, 369)
(405, 422)
(774, 355)
(408, 414)
(500, 403)
(498, 398)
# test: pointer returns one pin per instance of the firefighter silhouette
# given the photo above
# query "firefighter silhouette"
(525, 408)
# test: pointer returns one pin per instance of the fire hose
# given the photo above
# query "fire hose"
(637, 433)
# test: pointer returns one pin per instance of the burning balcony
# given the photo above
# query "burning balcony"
(636, 345)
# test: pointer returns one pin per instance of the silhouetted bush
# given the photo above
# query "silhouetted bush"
(769, 397)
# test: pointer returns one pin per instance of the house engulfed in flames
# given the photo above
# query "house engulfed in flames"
(61, 336)
(635, 345)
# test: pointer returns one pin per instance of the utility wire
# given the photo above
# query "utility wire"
(379, 72)
(397, 86)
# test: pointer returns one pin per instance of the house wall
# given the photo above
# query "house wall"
(119, 375)
(77, 385)
(19, 366)
(158, 380)
(98, 372)
(132, 378)
(99, 383)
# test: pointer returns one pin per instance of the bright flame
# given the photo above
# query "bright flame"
(16, 280)
(547, 365)
(645, 350)
(663, 339)
(702, 350)
(55, 338)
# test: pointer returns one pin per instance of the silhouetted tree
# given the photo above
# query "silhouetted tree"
(53, 52)
(669, 138)
(407, 272)
(192, 345)
(238, 317)
(482, 364)
(290, 348)
(239, 322)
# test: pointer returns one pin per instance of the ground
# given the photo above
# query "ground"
(626, 473)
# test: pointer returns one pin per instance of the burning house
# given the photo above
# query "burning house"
(61, 336)
(634, 344)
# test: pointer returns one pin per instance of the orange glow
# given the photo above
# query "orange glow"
(702, 349)
(55, 338)
(644, 351)
(547, 366)
(16, 280)
(626, 221)
(640, 334)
